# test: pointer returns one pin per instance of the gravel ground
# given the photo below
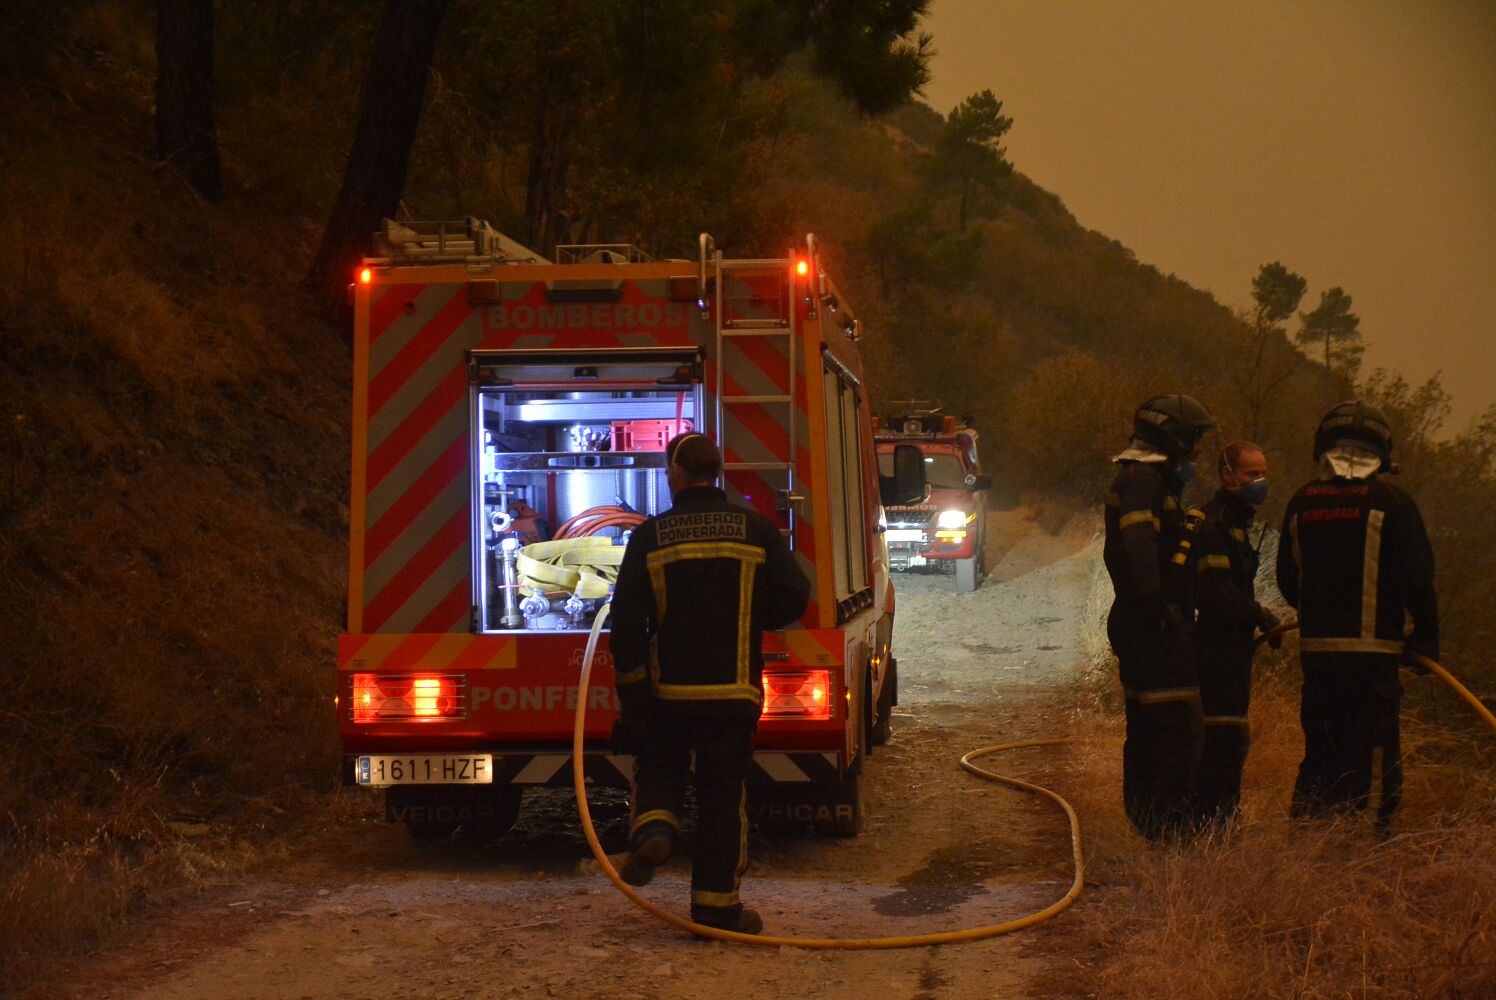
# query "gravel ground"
(364, 912)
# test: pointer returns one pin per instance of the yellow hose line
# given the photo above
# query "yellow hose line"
(1459, 689)
(1438, 671)
(846, 944)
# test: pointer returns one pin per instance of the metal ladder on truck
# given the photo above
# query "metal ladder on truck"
(777, 329)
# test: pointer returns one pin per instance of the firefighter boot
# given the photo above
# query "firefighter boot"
(728, 918)
(650, 846)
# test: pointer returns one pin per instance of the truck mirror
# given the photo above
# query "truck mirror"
(907, 484)
(975, 482)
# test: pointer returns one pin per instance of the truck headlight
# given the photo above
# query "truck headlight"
(951, 519)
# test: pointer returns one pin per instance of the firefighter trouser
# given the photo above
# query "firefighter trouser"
(1224, 660)
(1162, 749)
(723, 748)
(1350, 709)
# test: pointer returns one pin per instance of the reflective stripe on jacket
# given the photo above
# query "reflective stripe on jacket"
(1144, 525)
(698, 585)
(1225, 567)
(1355, 560)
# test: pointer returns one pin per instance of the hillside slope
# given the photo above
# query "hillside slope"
(172, 483)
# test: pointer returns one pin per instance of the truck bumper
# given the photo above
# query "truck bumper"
(548, 769)
(907, 555)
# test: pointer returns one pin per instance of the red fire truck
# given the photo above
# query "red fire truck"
(509, 420)
(947, 529)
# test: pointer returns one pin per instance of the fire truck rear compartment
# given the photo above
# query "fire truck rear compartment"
(564, 453)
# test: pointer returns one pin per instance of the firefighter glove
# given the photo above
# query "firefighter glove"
(1412, 649)
(1267, 621)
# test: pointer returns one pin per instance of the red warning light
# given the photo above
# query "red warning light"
(407, 697)
(797, 694)
(365, 276)
(802, 267)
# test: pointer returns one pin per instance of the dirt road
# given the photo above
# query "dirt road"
(365, 912)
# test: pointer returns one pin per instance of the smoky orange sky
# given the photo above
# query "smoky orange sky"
(1355, 142)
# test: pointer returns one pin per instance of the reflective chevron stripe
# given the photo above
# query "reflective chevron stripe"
(614, 770)
(779, 767)
(410, 546)
(450, 651)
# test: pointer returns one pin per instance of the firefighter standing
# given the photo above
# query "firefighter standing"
(1228, 615)
(1146, 626)
(1355, 560)
(697, 587)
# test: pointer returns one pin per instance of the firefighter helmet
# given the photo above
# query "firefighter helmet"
(1172, 424)
(1357, 422)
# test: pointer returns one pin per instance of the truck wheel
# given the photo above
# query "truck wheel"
(968, 574)
(840, 813)
(883, 725)
(422, 829)
(780, 828)
(436, 812)
(505, 802)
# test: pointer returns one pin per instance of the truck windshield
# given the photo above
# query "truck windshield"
(942, 471)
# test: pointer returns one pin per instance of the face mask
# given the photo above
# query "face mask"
(1185, 470)
(1254, 493)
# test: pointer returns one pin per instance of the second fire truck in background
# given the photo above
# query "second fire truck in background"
(947, 530)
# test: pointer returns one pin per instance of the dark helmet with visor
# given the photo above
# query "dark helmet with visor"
(1358, 423)
(1172, 424)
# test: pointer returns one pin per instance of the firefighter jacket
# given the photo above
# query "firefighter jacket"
(1355, 560)
(698, 585)
(1226, 568)
(1144, 526)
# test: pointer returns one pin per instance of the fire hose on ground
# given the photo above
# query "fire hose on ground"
(878, 943)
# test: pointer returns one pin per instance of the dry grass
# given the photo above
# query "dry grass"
(1276, 909)
(173, 476)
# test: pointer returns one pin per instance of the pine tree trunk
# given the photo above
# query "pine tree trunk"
(185, 133)
(394, 96)
(546, 174)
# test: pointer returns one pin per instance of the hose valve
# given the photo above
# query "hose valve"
(534, 606)
(509, 580)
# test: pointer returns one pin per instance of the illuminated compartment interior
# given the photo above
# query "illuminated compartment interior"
(570, 456)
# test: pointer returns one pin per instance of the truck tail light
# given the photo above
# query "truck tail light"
(408, 697)
(797, 694)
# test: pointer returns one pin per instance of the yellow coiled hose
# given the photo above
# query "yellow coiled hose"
(586, 566)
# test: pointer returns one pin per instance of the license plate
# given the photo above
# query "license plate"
(905, 535)
(425, 769)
